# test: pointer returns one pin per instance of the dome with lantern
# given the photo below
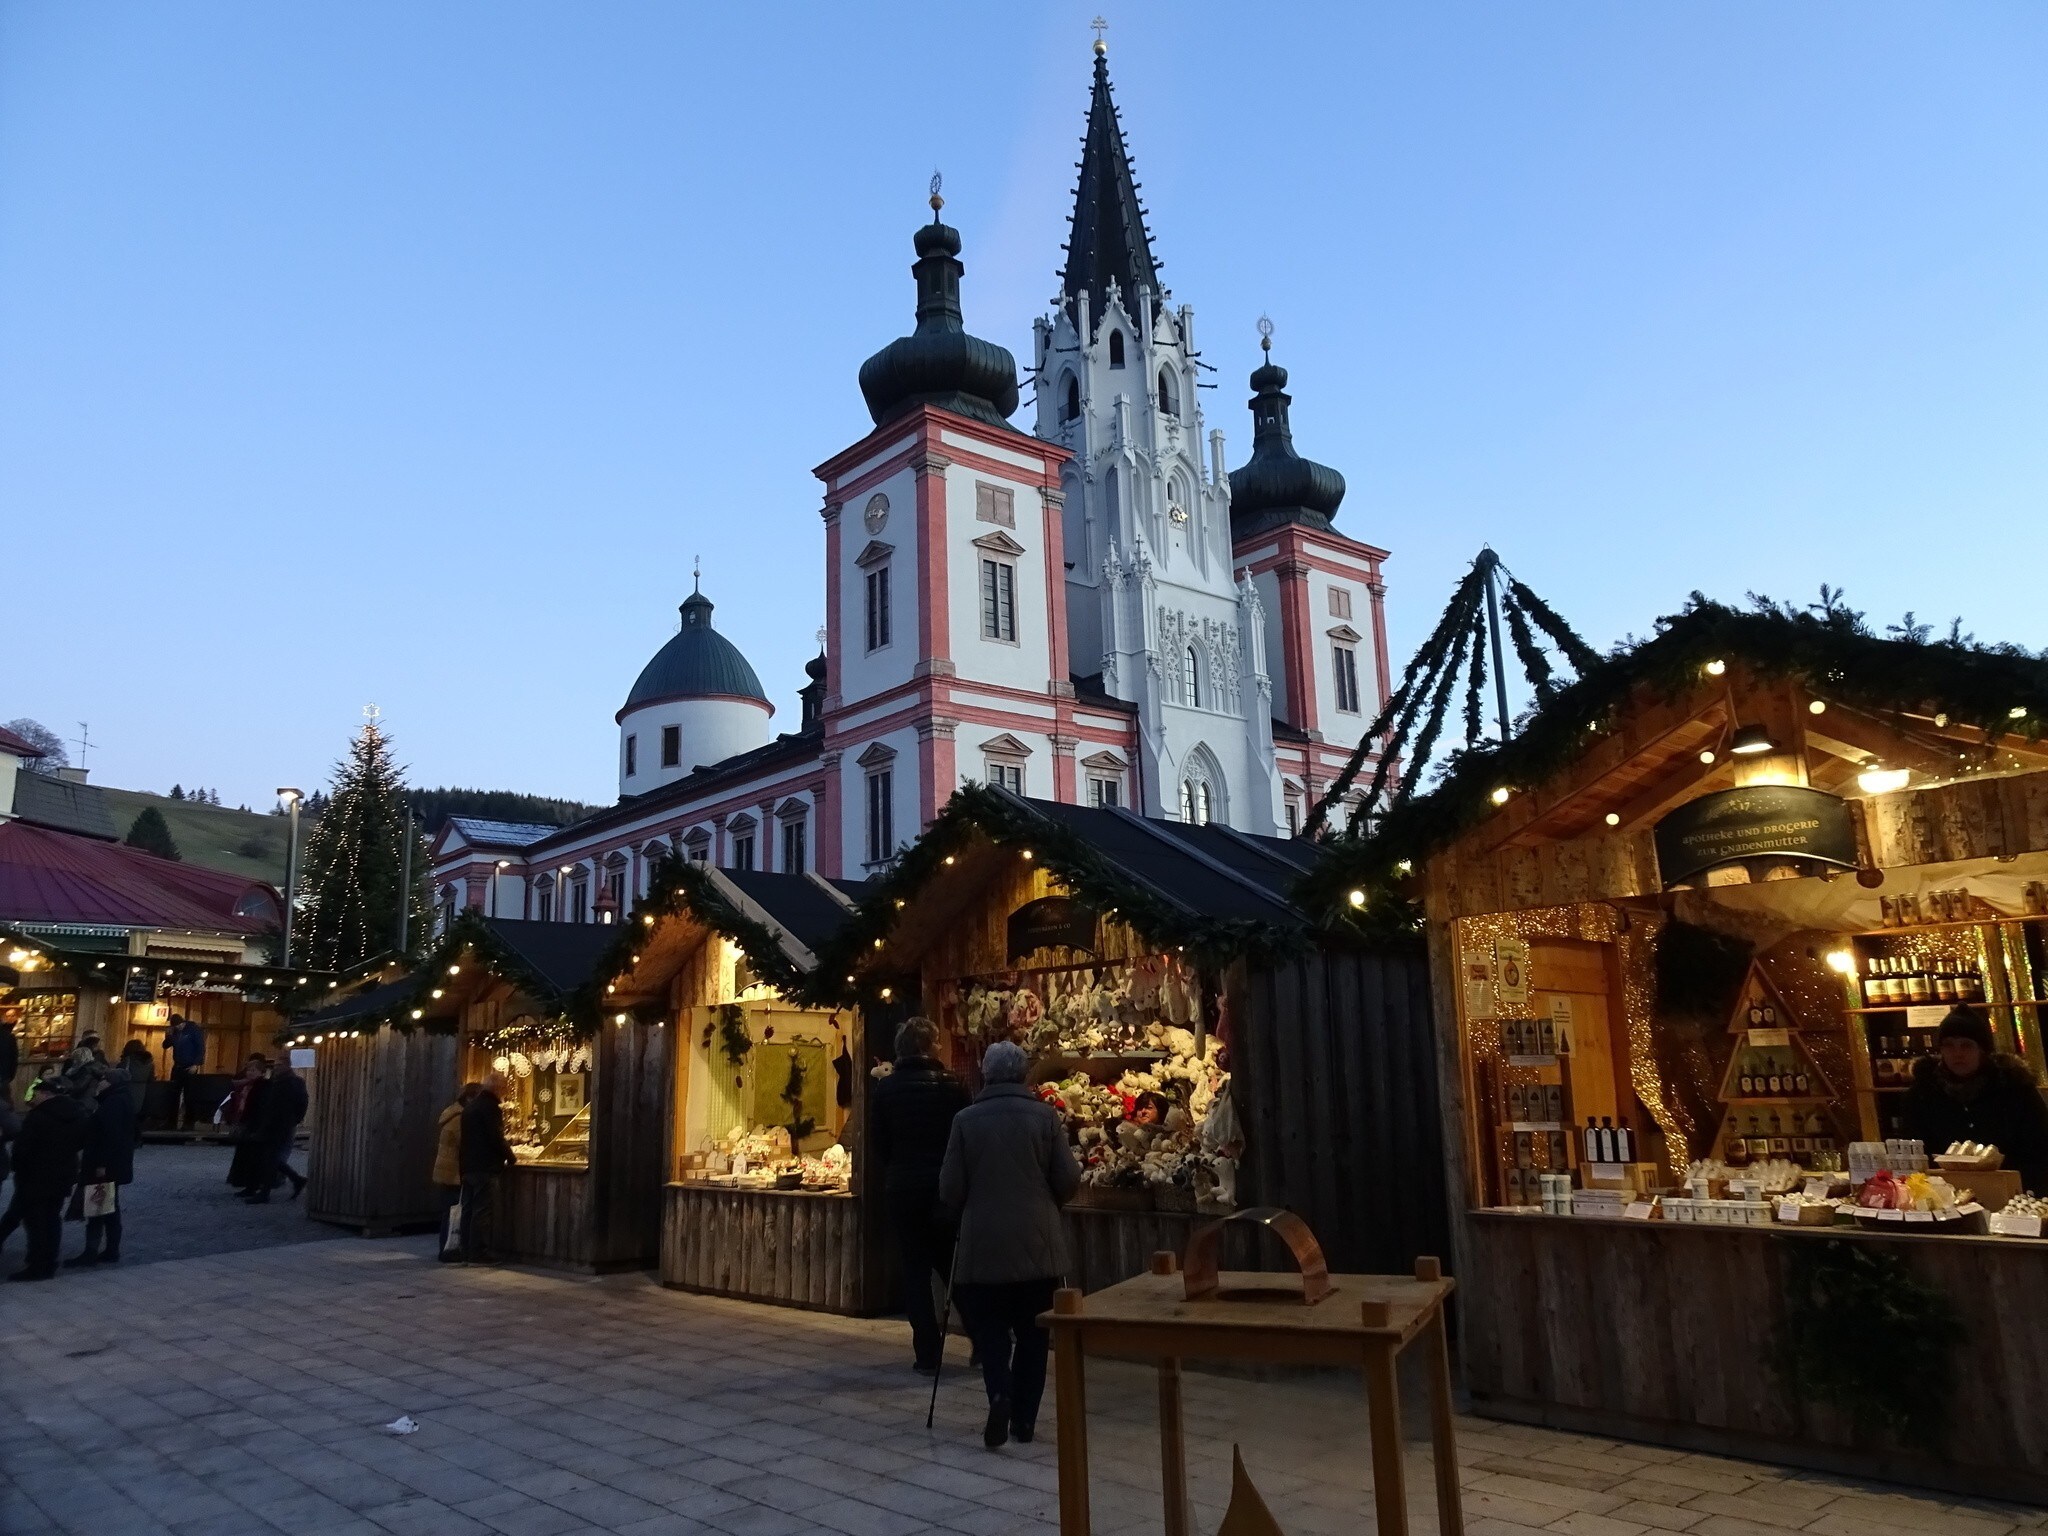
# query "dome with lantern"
(695, 703)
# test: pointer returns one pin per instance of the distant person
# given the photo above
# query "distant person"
(1969, 1090)
(46, 1171)
(238, 1115)
(483, 1155)
(1007, 1172)
(186, 1042)
(912, 1117)
(140, 1069)
(10, 1058)
(277, 1128)
(448, 1160)
(107, 1157)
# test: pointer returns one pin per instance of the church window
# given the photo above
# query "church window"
(1196, 805)
(615, 887)
(1340, 602)
(998, 600)
(697, 846)
(793, 837)
(544, 906)
(881, 820)
(632, 756)
(995, 504)
(579, 901)
(1187, 801)
(1116, 349)
(1070, 409)
(1344, 659)
(671, 746)
(1008, 776)
(878, 607)
(743, 851)
(1105, 792)
(1203, 809)
(1293, 817)
(1169, 397)
(1194, 677)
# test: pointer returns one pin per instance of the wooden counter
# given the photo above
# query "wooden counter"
(1664, 1332)
(781, 1246)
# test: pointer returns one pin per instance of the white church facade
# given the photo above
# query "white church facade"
(1095, 611)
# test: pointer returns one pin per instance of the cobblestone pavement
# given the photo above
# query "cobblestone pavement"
(180, 1207)
(247, 1394)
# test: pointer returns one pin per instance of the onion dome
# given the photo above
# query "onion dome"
(697, 662)
(1278, 486)
(939, 364)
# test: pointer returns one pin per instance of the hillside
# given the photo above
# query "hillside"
(215, 836)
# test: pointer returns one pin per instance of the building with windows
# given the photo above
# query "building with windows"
(1094, 611)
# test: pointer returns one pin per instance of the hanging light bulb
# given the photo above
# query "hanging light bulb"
(1751, 740)
(1883, 781)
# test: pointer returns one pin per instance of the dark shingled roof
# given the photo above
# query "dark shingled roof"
(808, 914)
(564, 955)
(1108, 240)
(697, 662)
(1187, 865)
(63, 806)
(362, 1005)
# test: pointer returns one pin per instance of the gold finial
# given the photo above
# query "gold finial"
(1100, 26)
(1265, 334)
(937, 201)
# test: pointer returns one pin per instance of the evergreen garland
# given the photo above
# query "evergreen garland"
(1863, 1333)
(1534, 663)
(349, 893)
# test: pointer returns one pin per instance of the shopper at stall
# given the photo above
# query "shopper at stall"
(913, 1114)
(448, 1161)
(277, 1128)
(140, 1068)
(1971, 1091)
(1006, 1173)
(240, 1114)
(107, 1157)
(485, 1153)
(46, 1170)
(186, 1042)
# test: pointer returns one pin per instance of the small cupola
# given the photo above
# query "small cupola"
(1278, 485)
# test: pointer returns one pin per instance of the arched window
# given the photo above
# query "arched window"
(1169, 396)
(1116, 349)
(1187, 801)
(1071, 409)
(1194, 675)
(1203, 809)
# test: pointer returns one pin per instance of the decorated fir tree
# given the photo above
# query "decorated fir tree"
(353, 866)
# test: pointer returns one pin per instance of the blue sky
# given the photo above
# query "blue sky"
(409, 354)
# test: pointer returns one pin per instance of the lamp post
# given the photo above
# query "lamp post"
(291, 799)
(497, 875)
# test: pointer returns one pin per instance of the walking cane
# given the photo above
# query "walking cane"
(945, 1321)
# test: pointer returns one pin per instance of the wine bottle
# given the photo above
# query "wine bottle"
(1747, 1082)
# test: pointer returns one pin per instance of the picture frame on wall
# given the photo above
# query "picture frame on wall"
(569, 1094)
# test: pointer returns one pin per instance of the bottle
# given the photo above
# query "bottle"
(1774, 1084)
(1759, 1140)
(1945, 985)
(1624, 1144)
(1919, 986)
(1747, 1082)
(1887, 982)
(1756, 1013)
(1737, 1154)
(1973, 985)
(1592, 1142)
(1608, 1151)
(1780, 1142)
(1800, 1083)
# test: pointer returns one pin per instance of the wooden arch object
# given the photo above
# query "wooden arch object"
(1198, 1265)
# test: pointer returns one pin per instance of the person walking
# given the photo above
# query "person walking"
(448, 1161)
(1008, 1170)
(912, 1115)
(140, 1068)
(107, 1157)
(239, 1114)
(277, 1128)
(186, 1042)
(46, 1170)
(483, 1154)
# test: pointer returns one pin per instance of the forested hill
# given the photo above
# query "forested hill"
(435, 806)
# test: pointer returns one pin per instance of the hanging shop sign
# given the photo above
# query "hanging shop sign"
(1511, 975)
(140, 987)
(1051, 921)
(1762, 821)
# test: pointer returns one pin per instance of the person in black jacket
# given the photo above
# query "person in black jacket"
(485, 1154)
(1971, 1091)
(46, 1169)
(280, 1109)
(107, 1157)
(913, 1110)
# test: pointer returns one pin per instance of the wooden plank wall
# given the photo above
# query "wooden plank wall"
(634, 1085)
(785, 1247)
(1334, 1071)
(1650, 1331)
(541, 1216)
(376, 1107)
(1106, 1248)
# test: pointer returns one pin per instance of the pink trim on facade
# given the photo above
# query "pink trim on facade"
(934, 610)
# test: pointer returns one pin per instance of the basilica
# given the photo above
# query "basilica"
(1095, 610)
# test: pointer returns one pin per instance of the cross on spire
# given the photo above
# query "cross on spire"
(1099, 26)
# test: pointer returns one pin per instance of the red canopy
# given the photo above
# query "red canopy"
(56, 877)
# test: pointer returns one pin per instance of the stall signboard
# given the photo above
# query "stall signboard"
(1761, 821)
(1511, 975)
(1051, 921)
(140, 986)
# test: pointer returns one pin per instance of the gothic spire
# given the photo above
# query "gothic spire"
(1108, 241)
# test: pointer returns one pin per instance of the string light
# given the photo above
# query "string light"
(1716, 667)
(1500, 795)
(1614, 818)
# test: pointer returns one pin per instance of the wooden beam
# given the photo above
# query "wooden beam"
(1696, 779)
(1520, 821)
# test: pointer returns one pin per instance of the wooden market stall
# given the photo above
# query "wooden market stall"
(765, 1122)
(1692, 933)
(1206, 1049)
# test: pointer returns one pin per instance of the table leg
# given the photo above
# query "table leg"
(1389, 1478)
(1443, 1432)
(1173, 1450)
(1071, 1399)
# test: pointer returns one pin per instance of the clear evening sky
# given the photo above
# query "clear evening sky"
(408, 354)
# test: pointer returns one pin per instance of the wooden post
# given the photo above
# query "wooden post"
(1173, 1451)
(1383, 1403)
(1443, 1429)
(1071, 1401)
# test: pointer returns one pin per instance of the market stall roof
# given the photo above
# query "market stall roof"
(93, 964)
(61, 877)
(1654, 723)
(364, 1008)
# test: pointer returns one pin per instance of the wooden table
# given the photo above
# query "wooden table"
(1364, 1320)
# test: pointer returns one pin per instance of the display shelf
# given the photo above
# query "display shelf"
(1741, 1101)
(2018, 920)
(1974, 1002)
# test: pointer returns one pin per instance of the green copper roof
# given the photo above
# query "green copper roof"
(696, 662)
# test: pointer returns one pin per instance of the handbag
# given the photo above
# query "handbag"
(101, 1199)
(454, 1241)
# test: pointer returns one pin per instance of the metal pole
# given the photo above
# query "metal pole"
(405, 886)
(1500, 675)
(945, 1321)
(291, 881)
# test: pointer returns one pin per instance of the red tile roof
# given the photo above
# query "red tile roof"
(57, 877)
(9, 742)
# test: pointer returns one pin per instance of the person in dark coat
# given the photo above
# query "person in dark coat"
(186, 1042)
(912, 1116)
(1972, 1091)
(141, 1069)
(46, 1170)
(241, 1114)
(107, 1157)
(10, 1058)
(281, 1108)
(485, 1153)
(1007, 1172)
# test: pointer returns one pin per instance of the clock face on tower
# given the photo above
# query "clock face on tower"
(1177, 512)
(876, 513)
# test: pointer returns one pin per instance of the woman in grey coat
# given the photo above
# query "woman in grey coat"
(1007, 1172)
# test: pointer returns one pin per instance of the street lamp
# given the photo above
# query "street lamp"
(497, 875)
(291, 799)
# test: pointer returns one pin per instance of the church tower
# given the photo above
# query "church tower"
(1155, 609)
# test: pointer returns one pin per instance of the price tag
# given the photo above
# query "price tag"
(1891, 1215)
(1769, 1039)
(1639, 1210)
(1561, 1020)
(1923, 1017)
(1918, 1215)
(1817, 1186)
(2016, 1226)
(1788, 1210)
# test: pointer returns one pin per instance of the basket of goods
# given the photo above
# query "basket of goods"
(1971, 1157)
(2022, 1217)
(1918, 1197)
(789, 1177)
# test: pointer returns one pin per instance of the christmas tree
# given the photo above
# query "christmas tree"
(350, 890)
(152, 834)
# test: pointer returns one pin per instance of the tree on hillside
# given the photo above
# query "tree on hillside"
(152, 834)
(39, 735)
(350, 890)
(177, 791)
